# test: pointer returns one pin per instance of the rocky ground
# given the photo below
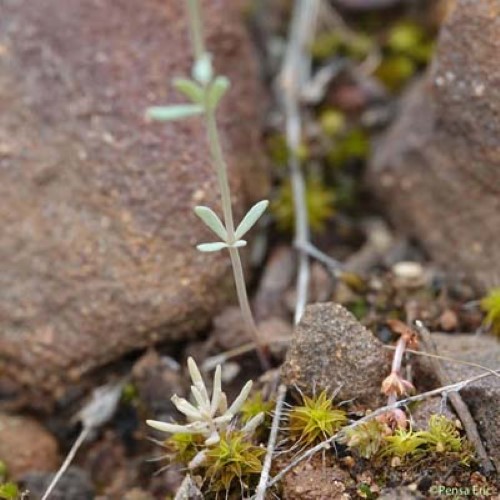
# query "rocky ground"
(103, 287)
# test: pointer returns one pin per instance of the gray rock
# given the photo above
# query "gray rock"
(423, 411)
(332, 350)
(74, 484)
(438, 168)
(97, 251)
(483, 396)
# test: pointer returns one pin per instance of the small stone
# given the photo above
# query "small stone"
(332, 350)
(448, 320)
(408, 274)
(26, 446)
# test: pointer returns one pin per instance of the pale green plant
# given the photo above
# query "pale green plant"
(205, 90)
(208, 417)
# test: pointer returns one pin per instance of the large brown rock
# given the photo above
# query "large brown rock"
(438, 168)
(97, 249)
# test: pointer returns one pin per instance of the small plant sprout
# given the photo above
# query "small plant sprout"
(442, 435)
(404, 444)
(211, 439)
(368, 438)
(316, 419)
(204, 91)
(490, 304)
(394, 385)
(208, 417)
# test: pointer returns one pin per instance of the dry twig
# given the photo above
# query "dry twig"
(294, 75)
(262, 486)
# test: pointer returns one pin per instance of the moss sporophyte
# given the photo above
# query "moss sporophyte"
(204, 90)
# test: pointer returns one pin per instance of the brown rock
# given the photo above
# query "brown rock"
(438, 168)
(97, 253)
(483, 396)
(332, 350)
(26, 446)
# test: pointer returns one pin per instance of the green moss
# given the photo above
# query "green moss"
(183, 446)
(233, 460)
(331, 43)
(279, 153)
(332, 122)
(326, 45)
(404, 444)
(355, 144)
(490, 304)
(255, 405)
(319, 203)
(316, 419)
(367, 438)
(9, 491)
(410, 39)
(442, 435)
(395, 71)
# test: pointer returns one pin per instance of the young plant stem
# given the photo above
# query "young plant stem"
(239, 277)
(196, 27)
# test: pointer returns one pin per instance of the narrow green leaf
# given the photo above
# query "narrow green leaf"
(251, 218)
(217, 90)
(210, 218)
(202, 69)
(190, 89)
(239, 243)
(169, 113)
(211, 247)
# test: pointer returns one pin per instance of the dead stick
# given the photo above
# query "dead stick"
(456, 400)
(294, 75)
(262, 486)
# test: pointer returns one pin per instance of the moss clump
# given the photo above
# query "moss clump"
(332, 122)
(328, 44)
(182, 447)
(403, 444)
(442, 435)
(316, 419)
(395, 70)
(234, 459)
(9, 491)
(354, 145)
(279, 152)
(255, 405)
(319, 203)
(490, 304)
(368, 438)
